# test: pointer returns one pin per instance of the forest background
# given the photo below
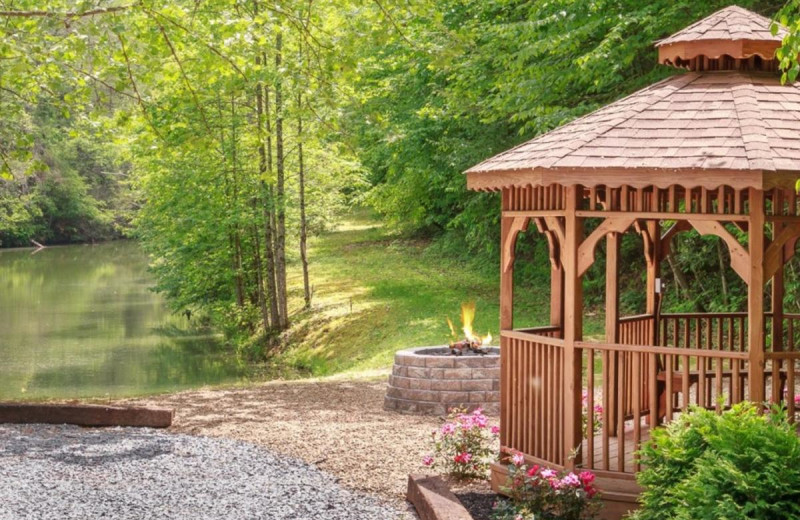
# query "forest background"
(222, 134)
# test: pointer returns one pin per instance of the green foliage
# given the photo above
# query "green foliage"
(789, 53)
(467, 79)
(737, 465)
(69, 188)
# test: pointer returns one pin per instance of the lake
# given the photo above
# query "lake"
(81, 321)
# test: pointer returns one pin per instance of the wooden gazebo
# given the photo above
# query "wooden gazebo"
(715, 147)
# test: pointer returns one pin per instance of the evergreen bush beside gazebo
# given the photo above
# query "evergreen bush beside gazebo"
(713, 148)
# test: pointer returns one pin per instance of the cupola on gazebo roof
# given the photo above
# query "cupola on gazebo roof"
(713, 150)
(733, 31)
(728, 119)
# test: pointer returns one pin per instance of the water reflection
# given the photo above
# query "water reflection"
(80, 321)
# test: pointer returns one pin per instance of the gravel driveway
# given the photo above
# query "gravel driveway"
(65, 472)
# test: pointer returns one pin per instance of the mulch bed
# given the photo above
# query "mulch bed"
(476, 496)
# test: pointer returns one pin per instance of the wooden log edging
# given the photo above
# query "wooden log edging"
(433, 499)
(85, 415)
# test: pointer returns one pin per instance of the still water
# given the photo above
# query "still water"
(81, 321)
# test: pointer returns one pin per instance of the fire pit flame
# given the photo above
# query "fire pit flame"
(471, 342)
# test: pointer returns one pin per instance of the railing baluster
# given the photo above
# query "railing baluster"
(606, 416)
(790, 390)
(637, 409)
(590, 411)
(669, 394)
(621, 424)
(718, 378)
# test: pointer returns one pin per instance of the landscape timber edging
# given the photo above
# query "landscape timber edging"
(85, 415)
(433, 500)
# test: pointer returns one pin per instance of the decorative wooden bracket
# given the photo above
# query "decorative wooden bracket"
(518, 225)
(553, 244)
(587, 248)
(666, 238)
(740, 257)
(648, 242)
(776, 253)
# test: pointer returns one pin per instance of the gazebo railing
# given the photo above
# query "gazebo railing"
(532, 408)
(718, 331)
(631, 385)
(643, 385)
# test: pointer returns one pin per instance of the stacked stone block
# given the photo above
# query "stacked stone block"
(433, 384)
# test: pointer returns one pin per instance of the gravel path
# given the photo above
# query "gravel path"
(340, 427)
(66, 472)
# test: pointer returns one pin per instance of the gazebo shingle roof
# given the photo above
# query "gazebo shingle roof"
(730, 23)
(741, 126)
(734, 121)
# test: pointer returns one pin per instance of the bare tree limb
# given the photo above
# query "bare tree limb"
(139, 99)
(67, 14)
(394, 24)
(186, 81)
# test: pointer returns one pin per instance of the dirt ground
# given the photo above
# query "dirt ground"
(339, 426)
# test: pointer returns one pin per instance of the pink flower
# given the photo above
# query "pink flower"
(533, 470)
(548, 473)
(427, 460)
(518, 459)
(571, 480)
(495, 430)
(590, 491)
(586, 477)
(448, 429)
(463, 458)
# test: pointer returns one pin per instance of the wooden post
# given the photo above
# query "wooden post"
(506, 320)
(557, 296)
(612, 287)
(506, 277)
(755, 297)
(610, 380)
(573, 326)
(653, 267)
(777, 304)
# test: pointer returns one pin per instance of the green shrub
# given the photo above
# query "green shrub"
(737, 465)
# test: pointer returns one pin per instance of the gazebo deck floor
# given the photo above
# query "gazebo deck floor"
(608, 460)
(629, 447)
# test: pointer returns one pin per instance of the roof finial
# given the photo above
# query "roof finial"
(732, 38)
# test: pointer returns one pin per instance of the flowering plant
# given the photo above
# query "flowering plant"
(463, 445)
(538, 493)
(597, 414)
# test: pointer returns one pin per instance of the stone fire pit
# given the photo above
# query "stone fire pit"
(429, 380)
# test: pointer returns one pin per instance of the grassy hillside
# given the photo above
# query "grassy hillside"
(375, 293)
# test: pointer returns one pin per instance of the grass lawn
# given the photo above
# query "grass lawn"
(376, 293)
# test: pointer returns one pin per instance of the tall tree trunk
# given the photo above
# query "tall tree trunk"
(269, 219)
(237, 239)
(259, 269)
(302, 195)
(264, 168)
(229, 184)
(280, 237)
